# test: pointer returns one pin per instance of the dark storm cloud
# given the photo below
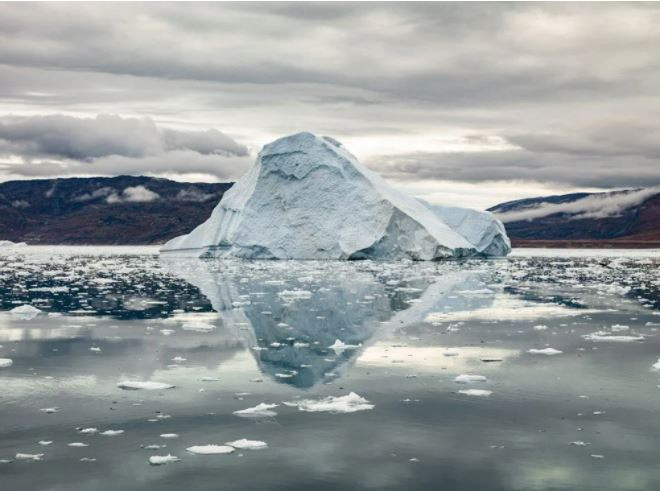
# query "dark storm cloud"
(572, 88)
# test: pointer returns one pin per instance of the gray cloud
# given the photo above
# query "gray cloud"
(573, 87)
(576, 169)
(88, 138)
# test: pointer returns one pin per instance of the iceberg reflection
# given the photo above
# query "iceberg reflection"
(306, 322)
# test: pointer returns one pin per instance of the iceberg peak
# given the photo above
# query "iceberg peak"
(307, 197)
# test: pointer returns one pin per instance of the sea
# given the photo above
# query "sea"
(121, 370)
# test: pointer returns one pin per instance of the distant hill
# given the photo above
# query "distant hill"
(617, 219)
(103, 210)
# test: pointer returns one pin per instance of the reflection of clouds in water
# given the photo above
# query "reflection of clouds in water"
(290, 313)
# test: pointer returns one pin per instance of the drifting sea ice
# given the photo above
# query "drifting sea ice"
(545, 351)
(26, 312)
(163, 459)
(210, 449)
(258, 411)
(341, 404)
(339, 345)
(137, 385)
(169, 435)
(603, 336)
(469, 379)
(29, 456)
(244, 444)
(111, 432)
(6, 362)
(476, 392)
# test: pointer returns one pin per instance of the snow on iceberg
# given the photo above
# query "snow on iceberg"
(308, 198)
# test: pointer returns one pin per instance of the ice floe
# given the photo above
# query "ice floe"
(210, 449)
(244, 444)
(6, 362)
(163, 459)
(349, 403)
(466, 378)
(604, 336)
(476, 392)
(260, 410)
(148, 385)
(544, 351)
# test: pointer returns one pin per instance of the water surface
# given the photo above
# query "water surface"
(231, 335)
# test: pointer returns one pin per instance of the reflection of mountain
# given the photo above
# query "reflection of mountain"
(289, 314)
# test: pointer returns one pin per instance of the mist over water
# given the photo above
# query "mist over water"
(530, 372)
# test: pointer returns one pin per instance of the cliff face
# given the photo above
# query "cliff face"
(103, 210)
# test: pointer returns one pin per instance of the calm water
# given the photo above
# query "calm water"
(229, 336)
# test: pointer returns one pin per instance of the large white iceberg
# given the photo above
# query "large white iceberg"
(306, 197)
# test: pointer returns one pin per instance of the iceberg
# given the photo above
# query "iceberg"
(307, 197)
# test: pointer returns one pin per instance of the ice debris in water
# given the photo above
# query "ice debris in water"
(476, 392)
(244, 444)
(45, 442)
(545, 351)
(341, 404)
(6, 362)
(169, 435)
(137, 385)
(88, 431)
(258, 411)
(25, 312)
(339, 345)
(656, 365)
(111, 432)
(163, 459)
(77, 444)
(469, 379)
(210, 449)
(29, 456)
(603, 336)
(49, 410)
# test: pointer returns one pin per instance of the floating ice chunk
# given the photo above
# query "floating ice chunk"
(210, 379)
(656, 365)
(476, 392)
(95, 349)
(597, 456)
(341, 404)
(169, 435)
(179, 359)
(469, 379)
(451, 352)
(262, 410)
(26, 312)
(111, 432)
(602, 336)
(45, 442)
(295, 294)
(49, 410)
(339, 345)
(88, 459)
(580, 444)
(77, 444)
(540, 327)
(28, 456)
(210, 449)
(244, 444)
(137, 385)
(88, 431)
(163, 459)
(198, 326)
(6, 362)
(545, 351)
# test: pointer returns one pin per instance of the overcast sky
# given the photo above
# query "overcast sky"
(469, 104)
